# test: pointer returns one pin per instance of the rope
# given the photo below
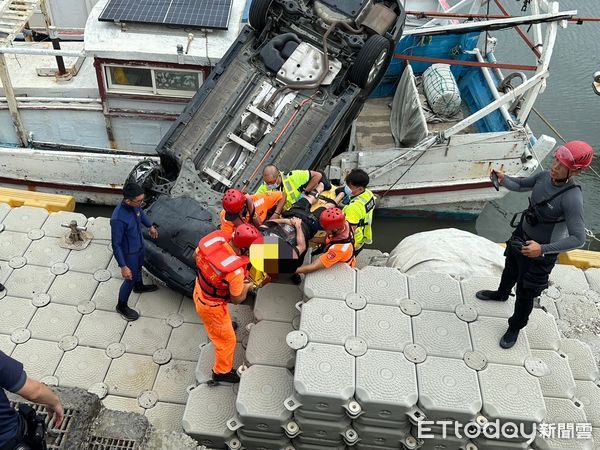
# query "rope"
(549, 125)
(404, 173)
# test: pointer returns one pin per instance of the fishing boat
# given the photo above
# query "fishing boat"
(80, 124)
(424, 161)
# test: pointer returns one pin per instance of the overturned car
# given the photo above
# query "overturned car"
(285, 93)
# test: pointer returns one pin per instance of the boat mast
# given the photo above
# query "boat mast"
(14, 15)
(543, 64)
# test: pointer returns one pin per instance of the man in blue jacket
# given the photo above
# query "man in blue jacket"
(128, 245)
(16, 428)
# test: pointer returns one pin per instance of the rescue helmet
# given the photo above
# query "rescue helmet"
(332, 219)
(244, 235)
(575, 155)
(234, 201)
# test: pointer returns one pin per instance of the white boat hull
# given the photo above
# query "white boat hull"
(88, 176)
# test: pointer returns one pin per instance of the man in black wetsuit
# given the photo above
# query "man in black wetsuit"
(552, 224)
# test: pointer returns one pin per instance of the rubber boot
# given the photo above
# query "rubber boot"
(140, 288)
(230, 377)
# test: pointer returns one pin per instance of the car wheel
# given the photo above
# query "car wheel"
(370, 63)
(257, 16)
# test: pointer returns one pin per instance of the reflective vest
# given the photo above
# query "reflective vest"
(291, 182)
(215, 260)
(362, 206)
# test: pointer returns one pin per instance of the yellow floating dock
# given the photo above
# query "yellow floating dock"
(50, 202)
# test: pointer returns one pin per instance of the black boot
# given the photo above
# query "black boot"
(510, 338)
(127, 313)
(229, 377)
(140, 288)
(491, 295)
(1, 287)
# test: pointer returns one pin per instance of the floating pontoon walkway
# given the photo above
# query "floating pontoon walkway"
(355, 358)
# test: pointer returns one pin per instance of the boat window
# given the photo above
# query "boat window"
(152, 81)
(131, 77)
(175, 80)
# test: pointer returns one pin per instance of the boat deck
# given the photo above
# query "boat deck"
(374, 347)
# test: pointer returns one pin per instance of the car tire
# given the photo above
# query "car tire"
(257, 16)
(370, 64)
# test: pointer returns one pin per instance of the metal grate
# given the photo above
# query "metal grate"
(54, 436)
(104, 443)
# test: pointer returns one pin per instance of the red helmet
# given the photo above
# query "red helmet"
(575, 155)
(332, 219)
(244, 235)
(234, 201)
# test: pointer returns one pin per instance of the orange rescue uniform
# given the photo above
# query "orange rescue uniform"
(342, 252)
(215, 284)
(263, 203)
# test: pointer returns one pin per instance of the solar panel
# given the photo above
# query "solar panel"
(187, 13)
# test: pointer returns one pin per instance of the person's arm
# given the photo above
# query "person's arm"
(279, 207)
(152, 230)
(520, 184)
(238, 286)
(317, 264)
(315, 177)
(36, 392)
(237, 299)
(117, 234)
(300, 241)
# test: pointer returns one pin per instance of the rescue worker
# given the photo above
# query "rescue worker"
(359, 207)
(128, 245)
(552, 224)
(24, 429)
(222, 269)
(294, 184)
(339, 242)
(239, 208)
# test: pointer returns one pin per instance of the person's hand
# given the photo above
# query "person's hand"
(330, 205)
(296, 222)
(531, 249)
(126, 273)
(57, 412)
(153, 232)
(499, 174)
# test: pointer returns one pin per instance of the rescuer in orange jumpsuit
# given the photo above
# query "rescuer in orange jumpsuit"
(339, 243)
(222, 269)
(239, 208)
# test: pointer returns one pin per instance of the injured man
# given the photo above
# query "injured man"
(285, 241)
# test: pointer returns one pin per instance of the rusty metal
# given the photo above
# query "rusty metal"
(523, 35)
(78, 237)
(458, 62)
(469, 16)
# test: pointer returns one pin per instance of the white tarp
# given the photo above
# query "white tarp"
(407, 121)
(449, 250)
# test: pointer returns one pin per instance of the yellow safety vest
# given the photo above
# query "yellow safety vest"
(359, 212)
(291, 182)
